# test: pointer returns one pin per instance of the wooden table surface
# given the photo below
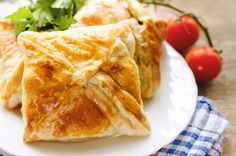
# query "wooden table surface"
(220, 17)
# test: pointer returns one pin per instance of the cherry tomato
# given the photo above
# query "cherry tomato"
(182, 34)
(205, 63)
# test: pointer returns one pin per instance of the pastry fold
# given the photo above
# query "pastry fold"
(82, 83)
(149, 40)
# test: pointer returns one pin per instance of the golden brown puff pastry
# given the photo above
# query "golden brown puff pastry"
(149, 39)
(11, 66)
(99, 12)
(81, 83)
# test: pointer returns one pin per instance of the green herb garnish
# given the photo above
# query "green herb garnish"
(46, 15)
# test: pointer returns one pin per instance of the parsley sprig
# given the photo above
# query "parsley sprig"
(46, 15)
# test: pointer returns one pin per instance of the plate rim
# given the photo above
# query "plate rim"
(155, 148)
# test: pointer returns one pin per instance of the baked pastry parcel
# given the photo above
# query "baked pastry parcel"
(11, 66)
(149, 41)
(82, 83)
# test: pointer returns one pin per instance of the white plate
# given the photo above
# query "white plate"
(169, 112)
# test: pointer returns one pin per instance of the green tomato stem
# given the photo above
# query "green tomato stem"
(204, 28)
(166, 5)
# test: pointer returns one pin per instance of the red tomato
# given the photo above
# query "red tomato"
(182, 34)
(205, 63)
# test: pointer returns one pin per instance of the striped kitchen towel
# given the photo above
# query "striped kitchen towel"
(203, 136)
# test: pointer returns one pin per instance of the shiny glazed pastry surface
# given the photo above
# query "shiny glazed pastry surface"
(81, 83)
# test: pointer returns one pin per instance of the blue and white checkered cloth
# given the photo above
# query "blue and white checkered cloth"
(203, 136)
